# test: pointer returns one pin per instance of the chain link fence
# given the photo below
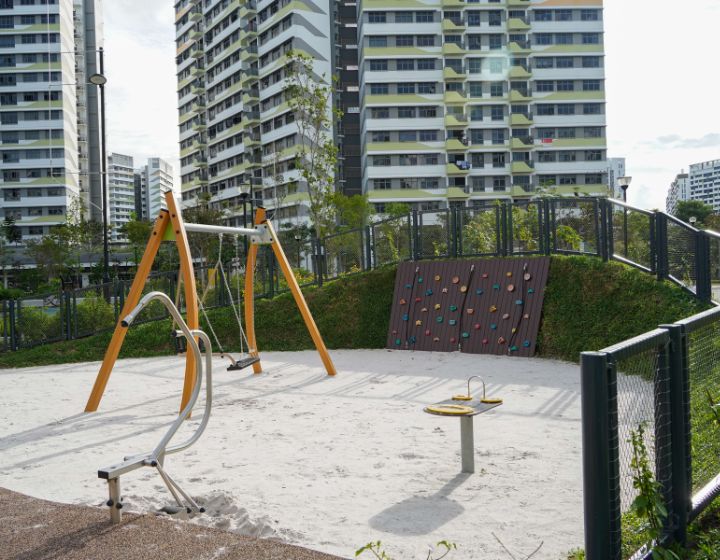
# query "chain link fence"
(633, 235)
(575, 226)
(434, 237)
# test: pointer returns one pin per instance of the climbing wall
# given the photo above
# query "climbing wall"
(488, 306)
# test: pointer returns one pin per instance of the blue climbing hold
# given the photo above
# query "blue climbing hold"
(493, 326)
(466, 335)
(408, 286)
(452, 322)
(429, 293)
(479, 292)
(413, 340)
(496, 286)
(439, 319)
(518, 302)
(420, 280)
(405, 317)
(526, 344)
(531, 291)
(397, 342)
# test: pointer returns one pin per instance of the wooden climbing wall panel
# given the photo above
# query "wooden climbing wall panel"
(483, 306)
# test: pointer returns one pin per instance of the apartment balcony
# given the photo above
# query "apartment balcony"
(456, 120)
(522, 167)
(519, 47)
(518, 3)
(519, 73)
(450, 73)
(197, 72)
(518, 24)
(520, 96)
(450, 25)
(520, 119)
(453, 4)
(197, 52)
(251, 116)
(455, 97)
(521, 143)
(199, 106)
(249, 53)
(460, 167)
(251, 96)
(453, 49)
(200, 127)
(456, 145)
(196, 16)
(195, 35)
(248, 8)
(251, 140)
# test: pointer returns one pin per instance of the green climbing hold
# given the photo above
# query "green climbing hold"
(453, 308)
(439, 319)
(531, 291)
(513, 348)
(466, 335)
(429, 293)
(397, 342)
(452, 322)
(518, 302)
(420, 280)
(496, 286)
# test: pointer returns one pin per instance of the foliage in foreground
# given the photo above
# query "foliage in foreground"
(375, 548)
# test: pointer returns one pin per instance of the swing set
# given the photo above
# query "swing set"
(169, 226)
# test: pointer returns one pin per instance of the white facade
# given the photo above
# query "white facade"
(679, 190)
(704, 182)
(43, 114)
(121, 193)
(615, 170)
(151, 182)
(463, 103)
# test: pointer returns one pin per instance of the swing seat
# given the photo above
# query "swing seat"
(245, 362)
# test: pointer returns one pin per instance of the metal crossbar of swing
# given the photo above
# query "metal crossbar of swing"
(610, 229)
(667, 380)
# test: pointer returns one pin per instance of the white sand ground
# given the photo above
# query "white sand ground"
(327, 463)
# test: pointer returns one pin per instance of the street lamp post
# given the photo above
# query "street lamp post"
(100, 80)
(624, 183)
(298, 238)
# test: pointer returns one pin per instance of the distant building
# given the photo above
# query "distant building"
(704, 182)
(679, 190)
(121, 193)
(151, 181)
(615, 170)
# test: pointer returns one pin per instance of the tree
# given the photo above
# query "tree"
(353, 211)
(10, 231)
(687, 209)
(137, 233)
(310, 98)
(50, 254)
(203, 247)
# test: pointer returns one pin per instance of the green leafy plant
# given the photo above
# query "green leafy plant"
(375, 548)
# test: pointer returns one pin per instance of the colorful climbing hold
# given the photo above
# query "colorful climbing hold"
(429, 293)
(427, 332)
(508, 274)
(463, 289)
(408, 286)
(418, 323)
(394, 332)
(452, 322)
(436, 339)
(531, 291)
(405, 317)
(418, 299)
(453, 340)
(444, 290)
(466, 335)
(513, 348)
(526, 316)
(484, 274)
(439, 319)
(511, 287)
(496, 286)
(513, 330)
(413, 340)
(478, 292)
(527, 276)
(526, 344)
(423, 310)
(518, 302)
(398, 342)
(493, 326)
(485, 341)
(437, 306)
(453, 308)
(437, 278)
(492, 309)
(470, 311)
(456, 279)
(402, 301)
(476, 326)
(501, 340)
(420, 280)
(506, 315)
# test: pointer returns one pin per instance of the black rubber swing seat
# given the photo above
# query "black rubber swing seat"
(245, 362)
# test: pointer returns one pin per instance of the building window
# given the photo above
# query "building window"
(544, 62)
(543, 15)
(426, 40)
(405, 64)
(428, 112)
(564, 62)
(565, 85)
(406, 112)
(545, 109)
(379, 89)
(382, 184)
(381, 161)
(544, 85)
(378, 65)
(377, 17)
(593, 132)
(407, 136)
(566, 109)
(428, 135)
(426, 87)
(381, 136)
(592, 108)
(403, 17)
(591, 61)
(566, 156)
(380, 112)
(543, 39)
(405, 88)
(424, 17)
(426, 64)
(591, 85)
(546, 157)
(377, 41)
(593, 179)
(590, 38)
(589, 15)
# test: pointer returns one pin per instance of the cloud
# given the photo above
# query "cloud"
(677, 142)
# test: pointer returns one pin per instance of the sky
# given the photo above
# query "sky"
(661, 84)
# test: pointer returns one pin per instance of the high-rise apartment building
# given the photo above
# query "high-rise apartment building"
(465, 102)
(679, 190)
(704, 183)
(151, 182)
(237, 132)
(47, 48)
(121, 193)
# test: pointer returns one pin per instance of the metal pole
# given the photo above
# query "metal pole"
(103, 173)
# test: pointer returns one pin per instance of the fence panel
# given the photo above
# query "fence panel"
(434, 234)
(479, 230)
(633, 235)
(714, 257)
(681, 253)
(344, 253)
(575, 226)
(391, 240)
(525, 232)
(40, 320)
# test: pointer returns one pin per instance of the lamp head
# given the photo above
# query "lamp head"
(624, 182)
(98, 79)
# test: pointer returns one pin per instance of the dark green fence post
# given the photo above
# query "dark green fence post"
(452, 230)
(459, 222)
(67, 306)
(368, 248)
(679, 391)
(600, 515)
(661, 246)
(415, 245)
(507, 229)
(548, 225)
(318, 262)
(702, 266)
(663, 433)
(13, 331)
(603, 236)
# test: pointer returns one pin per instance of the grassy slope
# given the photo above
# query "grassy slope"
(588, 305)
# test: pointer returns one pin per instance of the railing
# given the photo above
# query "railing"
(609, 229)
(666, 381)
